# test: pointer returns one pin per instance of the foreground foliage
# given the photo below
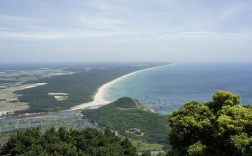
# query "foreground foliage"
(126, 113)
(88, 142)
(221, 127)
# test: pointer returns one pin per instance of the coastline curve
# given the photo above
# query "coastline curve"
(99, 100)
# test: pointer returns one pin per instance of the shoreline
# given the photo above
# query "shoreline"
(99, 100)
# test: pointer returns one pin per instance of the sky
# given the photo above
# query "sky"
(125, 30)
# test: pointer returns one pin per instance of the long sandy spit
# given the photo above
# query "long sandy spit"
(99, 96)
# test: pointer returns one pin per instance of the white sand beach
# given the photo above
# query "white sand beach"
(99, 96)
(28, 86)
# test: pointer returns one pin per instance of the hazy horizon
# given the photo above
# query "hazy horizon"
(48, 31)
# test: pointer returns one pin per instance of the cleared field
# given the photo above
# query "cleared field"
(12, 81)
(9, 100)
(59, 96)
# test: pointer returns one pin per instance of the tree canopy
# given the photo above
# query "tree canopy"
(62, 141)
(126, 113)
(220, 127)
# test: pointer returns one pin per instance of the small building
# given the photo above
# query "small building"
(135, 131)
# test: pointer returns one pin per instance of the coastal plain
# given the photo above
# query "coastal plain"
(80, 87)
(53, 96)
(15, 80)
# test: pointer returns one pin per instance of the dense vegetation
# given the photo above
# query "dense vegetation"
(68, 142)
(221, 127)
(80, 87)
(127, 113)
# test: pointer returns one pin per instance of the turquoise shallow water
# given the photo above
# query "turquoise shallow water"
(167, 88)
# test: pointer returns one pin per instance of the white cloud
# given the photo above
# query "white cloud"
(99, 22)
(31, 36)
(160, 28)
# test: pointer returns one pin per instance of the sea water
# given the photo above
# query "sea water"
(167, 88)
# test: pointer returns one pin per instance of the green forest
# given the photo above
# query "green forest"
(68, 142)
(219, 127)
(126, 113)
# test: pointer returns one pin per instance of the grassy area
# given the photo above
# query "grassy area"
(9, 100)
(144, 146)
(127, 113)
(12, 81)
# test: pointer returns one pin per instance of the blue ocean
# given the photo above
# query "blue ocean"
(167, 88)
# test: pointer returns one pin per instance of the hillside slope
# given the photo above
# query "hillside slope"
(128, 117)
